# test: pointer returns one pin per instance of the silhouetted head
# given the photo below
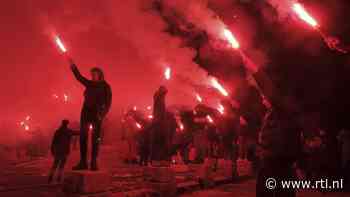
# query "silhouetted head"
(163, 90)
(64, 123)
(97, 74)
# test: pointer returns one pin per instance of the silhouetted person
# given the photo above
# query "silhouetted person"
(229, 129)
(60, 149)
(144, 146)
(159, 148)
(97, 102)
(279, 138)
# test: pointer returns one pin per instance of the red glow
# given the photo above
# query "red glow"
(199, 98)
(28, 118)
(138, 125)
(26, 127)
(167, 73)
(231, 39)
(219, 87)
(65, 97)
(60, 44)
(91, 127)
(221, 109)
(150, 117)
(210, 119)
(304, 15)
(242, 121)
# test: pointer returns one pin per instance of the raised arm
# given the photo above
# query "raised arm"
(77, 74)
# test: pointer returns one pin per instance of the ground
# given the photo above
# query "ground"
(30, 178)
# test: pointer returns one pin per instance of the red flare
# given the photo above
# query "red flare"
(304, 15)
(231, 39)
(167, 73)
(60, 44)
(65, 97)
(210, 119)
(26, 127)
(91, 127)
(199, 98)
(219, 87)
(221, 109)
(138, 125)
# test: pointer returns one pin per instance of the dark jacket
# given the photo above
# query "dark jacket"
(280, 134)
(159, 107)
(60, 145)
(98, 95)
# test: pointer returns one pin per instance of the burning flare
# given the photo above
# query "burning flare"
(218, 86)
(199, 98)
(60, 44)
(302, 13)
(65, 97)
(231, 39)
(221, 109)
(167, 73)
(210, 119)
(138, 125)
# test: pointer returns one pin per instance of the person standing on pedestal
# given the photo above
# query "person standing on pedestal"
(97, 102)
(159, 142)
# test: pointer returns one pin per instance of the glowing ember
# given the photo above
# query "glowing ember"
(55, 96)
(167, 73)
(26, 127)
(60, 44)
(149, 107)
(150, 117)
(221, 109)
(219, 87)
(231, 39)
(210, 119)
(134, 108)
(302, 13)
(138, 125)
(199, 98)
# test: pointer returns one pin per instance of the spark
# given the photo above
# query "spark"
(219, 87)
(60, 44)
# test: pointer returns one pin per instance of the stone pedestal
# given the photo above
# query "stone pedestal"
(205, 173)
(87, 184)
(161, 179)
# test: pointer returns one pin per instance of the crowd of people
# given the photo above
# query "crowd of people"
(282, 146)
